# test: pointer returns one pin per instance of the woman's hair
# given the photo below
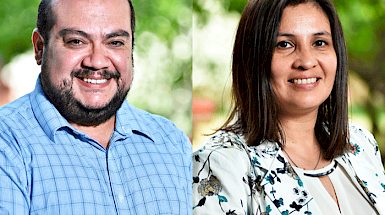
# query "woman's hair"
(255, 110)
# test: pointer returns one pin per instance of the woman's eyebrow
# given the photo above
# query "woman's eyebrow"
(286, 35)
(315, 34)
(322, 33)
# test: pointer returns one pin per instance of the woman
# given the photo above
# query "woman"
(287, 147)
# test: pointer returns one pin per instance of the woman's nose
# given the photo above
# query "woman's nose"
(305, 59)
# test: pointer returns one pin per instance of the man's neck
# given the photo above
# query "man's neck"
(100, 133)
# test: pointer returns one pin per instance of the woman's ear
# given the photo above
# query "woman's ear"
(38, 46)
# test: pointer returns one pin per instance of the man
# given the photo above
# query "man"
(75, 145)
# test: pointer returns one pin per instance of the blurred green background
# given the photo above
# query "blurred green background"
(214, 26)
(162, 56)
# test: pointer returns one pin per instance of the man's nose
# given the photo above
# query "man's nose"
(97, 59)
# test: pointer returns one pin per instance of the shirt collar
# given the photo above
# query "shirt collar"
(128, 119)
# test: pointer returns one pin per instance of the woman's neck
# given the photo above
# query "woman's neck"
(300, 143)
(299, 130)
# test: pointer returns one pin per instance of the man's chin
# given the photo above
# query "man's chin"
(85, 113)
(95, 106)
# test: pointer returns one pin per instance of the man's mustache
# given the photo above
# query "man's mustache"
(104, 73)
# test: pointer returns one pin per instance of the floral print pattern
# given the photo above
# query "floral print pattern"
(354, 148)
(230, 177)
(210, 186)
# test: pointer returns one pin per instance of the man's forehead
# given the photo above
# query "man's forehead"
(108, 15)
(90, 1)
(90, 5)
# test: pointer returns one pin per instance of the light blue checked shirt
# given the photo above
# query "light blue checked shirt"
(48, 167)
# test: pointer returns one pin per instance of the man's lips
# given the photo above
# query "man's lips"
(95, 77)
(94, 83)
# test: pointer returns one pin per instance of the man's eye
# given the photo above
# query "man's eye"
(117, 43)
(74, 42)
(284, 44)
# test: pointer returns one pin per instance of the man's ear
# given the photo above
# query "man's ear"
(38, 46)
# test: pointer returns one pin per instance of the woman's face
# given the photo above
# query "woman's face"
(304, 61)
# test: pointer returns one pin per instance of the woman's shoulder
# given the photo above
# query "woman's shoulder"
(361, 140)
(225, 172)
(225, 145)
(230, 146)
(363, 147)
(223, 140)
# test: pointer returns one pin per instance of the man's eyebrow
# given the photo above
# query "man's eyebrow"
(120, 33)
(66, 31)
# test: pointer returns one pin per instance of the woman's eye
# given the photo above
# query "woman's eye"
(320, 43)
(284, 44)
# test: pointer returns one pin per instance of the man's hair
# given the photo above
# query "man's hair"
(46, 19)
(255, 109)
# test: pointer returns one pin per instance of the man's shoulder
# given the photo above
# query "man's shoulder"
(15, 123)
(16, 109)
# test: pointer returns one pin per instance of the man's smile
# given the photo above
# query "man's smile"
(95, 81)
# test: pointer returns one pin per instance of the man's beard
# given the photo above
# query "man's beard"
(73, 110)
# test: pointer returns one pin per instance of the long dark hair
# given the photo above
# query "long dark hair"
(255, 111)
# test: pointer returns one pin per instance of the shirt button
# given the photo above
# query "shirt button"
(121, 197)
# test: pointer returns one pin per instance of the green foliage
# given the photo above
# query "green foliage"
(165, 18)
(364, 28)
(228, 5)
(168, 23)
(17, 20)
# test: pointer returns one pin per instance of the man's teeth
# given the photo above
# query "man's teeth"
(305, 81)
(95, 81)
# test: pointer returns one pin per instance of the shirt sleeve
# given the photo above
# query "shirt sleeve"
(13, 183)
(221, 181)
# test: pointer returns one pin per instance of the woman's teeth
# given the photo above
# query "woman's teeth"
(305, 81)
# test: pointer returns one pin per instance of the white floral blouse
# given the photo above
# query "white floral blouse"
(230, 177)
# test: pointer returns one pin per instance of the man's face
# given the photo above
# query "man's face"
(87, 63)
